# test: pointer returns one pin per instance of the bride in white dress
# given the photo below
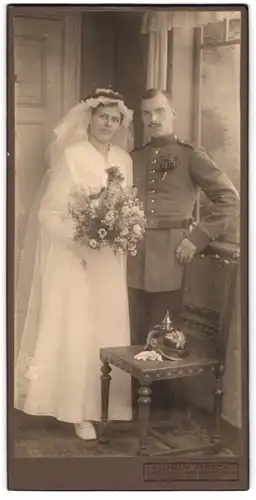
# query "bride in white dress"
(78, 297)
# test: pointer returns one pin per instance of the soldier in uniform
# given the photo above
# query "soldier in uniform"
(168, 172)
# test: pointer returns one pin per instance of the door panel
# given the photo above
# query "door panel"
(47, 78)
(38, 98)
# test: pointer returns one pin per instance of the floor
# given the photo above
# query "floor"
(40, 437)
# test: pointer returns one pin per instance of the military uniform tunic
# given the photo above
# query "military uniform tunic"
(167, 173)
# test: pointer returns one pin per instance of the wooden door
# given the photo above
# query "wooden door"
(46, 66)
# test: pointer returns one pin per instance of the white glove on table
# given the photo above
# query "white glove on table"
(148, 356)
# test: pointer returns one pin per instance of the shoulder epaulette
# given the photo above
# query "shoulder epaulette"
(198, 149)
(202, 151)
(183, 142)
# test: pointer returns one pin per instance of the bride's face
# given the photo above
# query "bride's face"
(105, 122)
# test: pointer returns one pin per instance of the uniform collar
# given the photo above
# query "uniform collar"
(157, 142)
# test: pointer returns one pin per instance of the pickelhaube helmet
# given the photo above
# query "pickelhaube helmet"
(168, 341)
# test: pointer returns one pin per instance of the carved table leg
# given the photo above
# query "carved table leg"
(144, 401)
(105, 383)
(218, 393)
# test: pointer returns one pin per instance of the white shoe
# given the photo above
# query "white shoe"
(85, 430)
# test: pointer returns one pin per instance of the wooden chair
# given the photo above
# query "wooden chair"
(207, 332)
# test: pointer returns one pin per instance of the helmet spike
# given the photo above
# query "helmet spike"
(167, 322)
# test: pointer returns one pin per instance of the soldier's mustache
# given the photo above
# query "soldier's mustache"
(155, 125)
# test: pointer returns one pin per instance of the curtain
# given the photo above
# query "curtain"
(156, 25)
(157, 49)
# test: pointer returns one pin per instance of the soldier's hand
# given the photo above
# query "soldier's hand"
(185, 252)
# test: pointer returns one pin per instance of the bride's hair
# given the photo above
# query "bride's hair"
(105, 93)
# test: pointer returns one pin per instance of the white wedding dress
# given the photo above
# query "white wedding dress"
(73, 310)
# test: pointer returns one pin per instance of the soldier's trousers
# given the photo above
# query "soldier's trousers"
(148, 309)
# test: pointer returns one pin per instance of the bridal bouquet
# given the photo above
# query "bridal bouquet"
(113, 217)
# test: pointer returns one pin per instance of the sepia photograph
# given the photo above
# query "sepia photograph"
(127, 246)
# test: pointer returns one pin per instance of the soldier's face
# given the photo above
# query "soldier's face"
(157, 115)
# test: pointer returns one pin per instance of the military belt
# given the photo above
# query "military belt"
(156, 223)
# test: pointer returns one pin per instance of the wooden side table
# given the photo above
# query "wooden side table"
(147, 372)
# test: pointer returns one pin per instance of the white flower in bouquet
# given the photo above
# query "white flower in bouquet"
(102, 233)
(93, 213)
(141, 213)
(137, 230)
(124, 231)
(95, 203)
(126, 210)
(120, 244)
(110, 216)
(133, 239)
(93, 243)
(135, 210)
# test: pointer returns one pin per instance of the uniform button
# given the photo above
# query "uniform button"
(152, 191)
(153, 171)
(152, 181)
(153, 201)
(152, 211)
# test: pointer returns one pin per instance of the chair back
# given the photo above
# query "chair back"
(208, 292)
